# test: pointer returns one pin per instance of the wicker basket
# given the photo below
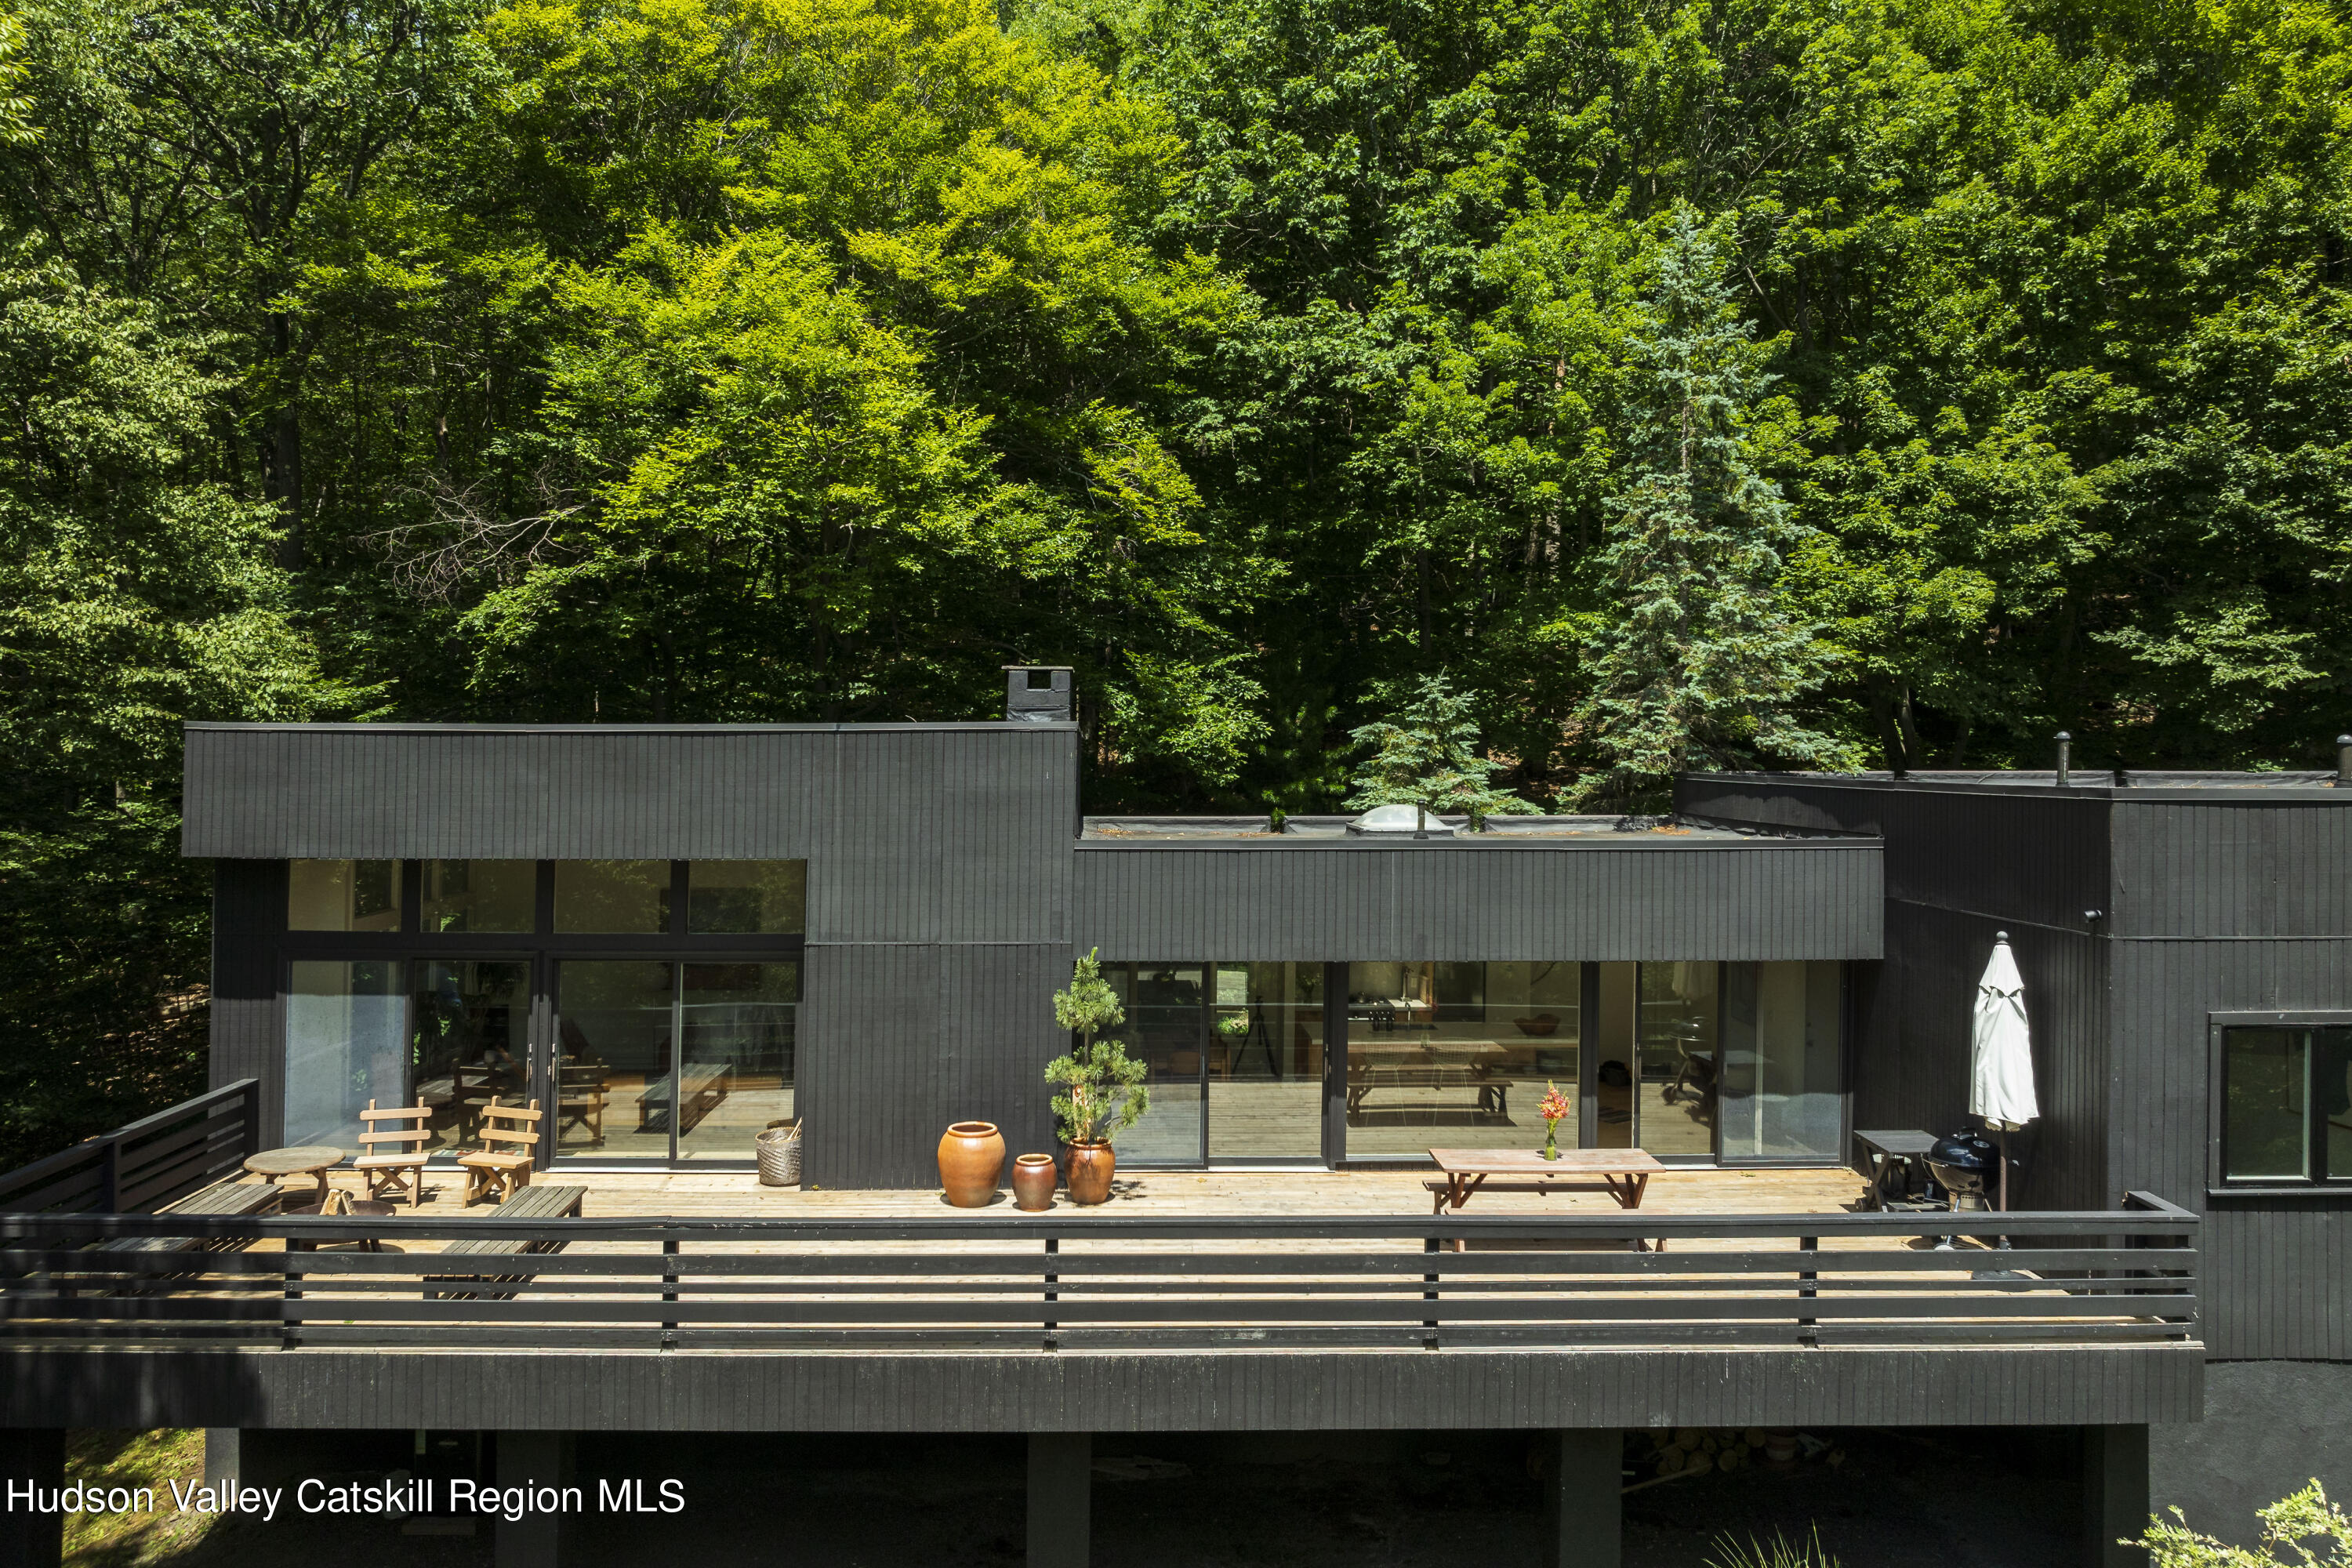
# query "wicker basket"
(779, 1154)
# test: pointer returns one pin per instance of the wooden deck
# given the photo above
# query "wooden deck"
(736, 1195)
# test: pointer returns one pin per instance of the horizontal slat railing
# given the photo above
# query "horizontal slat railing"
(147, 1163)
(1084, 1279)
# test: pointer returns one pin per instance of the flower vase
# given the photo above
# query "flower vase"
(1551, 1145)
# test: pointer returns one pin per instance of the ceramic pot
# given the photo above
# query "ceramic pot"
(1091, 1165)
(971, 1162)
(1033, 1179)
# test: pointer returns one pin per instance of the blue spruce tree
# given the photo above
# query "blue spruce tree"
(1700, 661)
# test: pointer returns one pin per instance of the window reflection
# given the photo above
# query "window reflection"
(1459, 1054)
(1167, 1030)
(470, 1024)
(460, 896)
(1264, 1062)
(344, 1048)
(763, 897)
(1675, 1018)
(735, 1070)
(613, 1039)
(612, 897)
(1782, 1055)
(342, 895)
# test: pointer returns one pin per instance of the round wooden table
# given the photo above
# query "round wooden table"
(312, 1160)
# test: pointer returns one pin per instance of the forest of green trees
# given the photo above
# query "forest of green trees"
(1820, 383)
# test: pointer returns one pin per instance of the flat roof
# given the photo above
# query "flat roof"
(1620, 831)
(2088, 783)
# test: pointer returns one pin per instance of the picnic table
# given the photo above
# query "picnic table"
(1625, 1174)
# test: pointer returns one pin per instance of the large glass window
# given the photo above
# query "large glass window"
(2286, 1097)
(1675, 1023)
(477, 896)
(764, 897)
(612, 897)
(735, 1066)
(1167, 1030)
(1613, 1048)
(1264, 1062)
(702, 1052)
(1782, 1055)
(344, 1046)
(470, 1031)
(1458, 1054)
(342, 895)
(612, 1057)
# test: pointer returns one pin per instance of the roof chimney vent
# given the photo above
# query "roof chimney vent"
(1038, 694)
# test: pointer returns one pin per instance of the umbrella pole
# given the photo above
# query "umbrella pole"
(2001, 1138)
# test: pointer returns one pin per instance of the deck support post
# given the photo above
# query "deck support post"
(224, 1461)
(534, 1460)
(2114, 1496)
(1061, 1494)
(34, 1453)
(1583, 1508)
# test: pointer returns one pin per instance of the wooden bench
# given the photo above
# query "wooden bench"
(530, 1203)
(1494, 1093)
(701, 1088)
(234, 1197)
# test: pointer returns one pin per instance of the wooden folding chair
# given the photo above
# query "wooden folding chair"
(400, 1171)
(502, 1165)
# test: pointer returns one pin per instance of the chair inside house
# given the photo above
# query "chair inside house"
(502, 1165)
(580, 1096)
(392, 1158)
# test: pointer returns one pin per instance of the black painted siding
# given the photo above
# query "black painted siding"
(919, 833)
(1327, 902)
(1082, 1391)
(247, 1028)
(906, 1039)
(2211, 899)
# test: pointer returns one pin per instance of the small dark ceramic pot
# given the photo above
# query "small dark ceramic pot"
(1033, 1179)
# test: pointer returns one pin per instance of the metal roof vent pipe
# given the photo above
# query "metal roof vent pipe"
(2065, 753)
(1039, 694)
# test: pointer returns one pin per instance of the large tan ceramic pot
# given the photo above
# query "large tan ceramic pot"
(1033, 1179)
(972, 1160)
(1091, 1165)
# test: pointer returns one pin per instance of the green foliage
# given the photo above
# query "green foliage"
(2294, 1523)
(1702, 661)
(1778, 1552)
(1428, 756)
(136, 591)
(1103, 1092)
(813, 359)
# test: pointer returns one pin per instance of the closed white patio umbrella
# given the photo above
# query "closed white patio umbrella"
(2000, 1069)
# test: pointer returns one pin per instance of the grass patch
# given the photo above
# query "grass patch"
(151, 1460)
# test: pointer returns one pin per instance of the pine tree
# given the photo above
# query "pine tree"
(1428, 756)
(1700, 662)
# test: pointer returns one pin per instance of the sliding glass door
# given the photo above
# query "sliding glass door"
(659, 1060)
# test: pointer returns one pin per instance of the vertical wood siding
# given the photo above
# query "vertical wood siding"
(2281, 1268)
(2233, 868)
(248, 1031)
(1312, 902)
(920, 834)
(902, 1040)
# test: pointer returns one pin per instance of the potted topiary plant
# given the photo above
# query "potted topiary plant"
(1103, 1092)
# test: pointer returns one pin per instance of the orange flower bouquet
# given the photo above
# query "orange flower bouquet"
(1554, 1107)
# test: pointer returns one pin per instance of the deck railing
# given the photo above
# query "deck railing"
(1120, 1278)
(148, 1163)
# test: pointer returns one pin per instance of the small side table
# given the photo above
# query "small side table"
(313, 1160)
(1890, 1160)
